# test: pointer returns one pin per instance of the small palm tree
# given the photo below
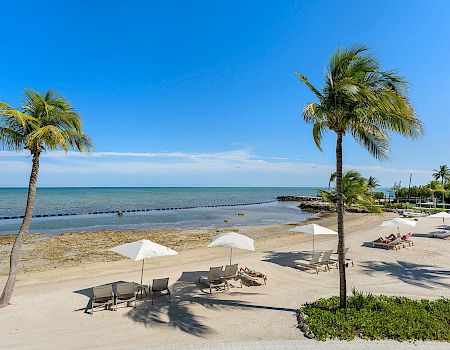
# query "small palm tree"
(435, 187)
(355, 192)
(443, 174)
(45, 123)
(360, 99)
(372, 182)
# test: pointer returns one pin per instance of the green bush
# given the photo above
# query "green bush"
(431, 210)
(398, 206)
(379, 317)
(378, 195)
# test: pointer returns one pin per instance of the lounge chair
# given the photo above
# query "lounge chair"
(160, 285)
(309, 264)
(102, 296)
(125, 293)
(326, 259)
(255, 278)
(406, 239)
(214, 279)
(442, 234)
(231, 273)
(395, 244)
(348, 260)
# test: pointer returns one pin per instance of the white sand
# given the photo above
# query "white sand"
(47, 311)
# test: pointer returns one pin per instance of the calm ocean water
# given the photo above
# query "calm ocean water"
(86, 200)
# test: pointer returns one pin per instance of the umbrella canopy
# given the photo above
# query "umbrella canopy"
(314, 230)
(143, 249)
(442, 214)
(232, 240)
(398, 222)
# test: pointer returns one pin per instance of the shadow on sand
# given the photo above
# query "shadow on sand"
(187, 294)
(421, 235)
(286, 258)
(423, 276)
(88, 292)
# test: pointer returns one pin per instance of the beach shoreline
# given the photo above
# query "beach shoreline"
(42, 252)
(53, 300)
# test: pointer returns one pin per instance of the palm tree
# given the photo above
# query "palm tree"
(360, 99)
(45, 123)
(372, 182)
(355, 192)
(443, 174)
(435, 186)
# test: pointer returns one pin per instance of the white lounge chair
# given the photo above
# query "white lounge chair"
(102, 296)
(214, 279)
(160, 285)
(348, 260)
(395, 244)
(309, 264)
(326, 259)
(442, 234)
(125, 293)
(231, 273)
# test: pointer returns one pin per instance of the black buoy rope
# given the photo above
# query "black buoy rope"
(135, 210)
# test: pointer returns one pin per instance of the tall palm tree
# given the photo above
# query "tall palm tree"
(44, 123)
(360, 99)
(443, 174)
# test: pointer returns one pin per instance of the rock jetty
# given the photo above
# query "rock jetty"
(316, 204)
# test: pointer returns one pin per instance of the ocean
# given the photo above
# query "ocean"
(208, 210)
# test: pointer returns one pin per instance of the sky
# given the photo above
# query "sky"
(204, 93)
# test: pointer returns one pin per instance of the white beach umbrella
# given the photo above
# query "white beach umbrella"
(398, 222)
(141, 250)
(232, 240)
(314, 230)
(441, 214)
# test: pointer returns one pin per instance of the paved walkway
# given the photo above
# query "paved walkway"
(308, 345)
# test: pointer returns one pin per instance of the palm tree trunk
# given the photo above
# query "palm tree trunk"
(340, 217)
(443, 194)
(15, 251)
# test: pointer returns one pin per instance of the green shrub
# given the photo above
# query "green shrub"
(378, 195)
(398, 206)
(431, 210)
(379, 317)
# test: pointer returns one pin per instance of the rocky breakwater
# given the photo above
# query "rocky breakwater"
(309, 203)
(316, 204)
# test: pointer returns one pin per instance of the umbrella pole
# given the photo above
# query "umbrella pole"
(231, 253)
(142, 270)
(313, 244)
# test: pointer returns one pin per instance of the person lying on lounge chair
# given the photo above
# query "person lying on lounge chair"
(381, 240)
(391, 237)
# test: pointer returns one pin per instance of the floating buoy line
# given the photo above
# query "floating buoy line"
(121, 212)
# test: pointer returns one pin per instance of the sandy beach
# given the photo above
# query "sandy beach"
(48, 306)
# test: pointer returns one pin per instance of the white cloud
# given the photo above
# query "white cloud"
(217, 167)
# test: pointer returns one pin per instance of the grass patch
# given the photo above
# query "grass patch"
(379, 317)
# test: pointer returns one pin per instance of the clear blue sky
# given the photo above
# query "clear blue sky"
(204, 92)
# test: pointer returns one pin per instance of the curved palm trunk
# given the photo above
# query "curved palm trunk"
(340, 217)
(15, 251)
